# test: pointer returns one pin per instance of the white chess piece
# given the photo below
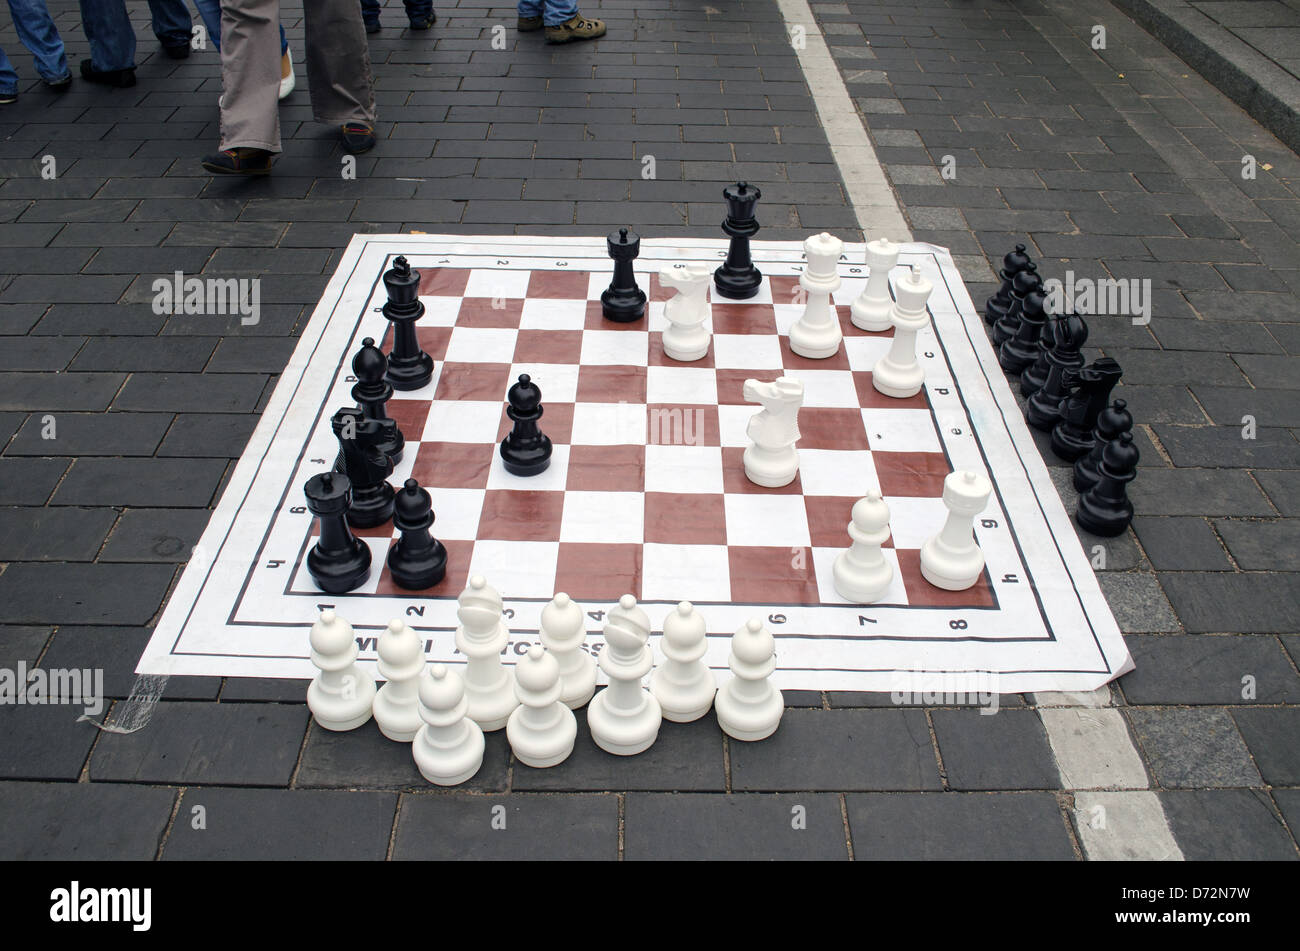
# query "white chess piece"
(951, 559)
(686, 337)
(861, 573)
(872, 308)
(449, 747)
(816, 334)
(749, 707)
(341, 695)
(542, 729)
(563, 632)
(481, 636)
(898, 373)
(401, 661)
(624, 717)
(772, 460)
(683, 685)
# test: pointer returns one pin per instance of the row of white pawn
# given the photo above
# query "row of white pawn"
(444, 715)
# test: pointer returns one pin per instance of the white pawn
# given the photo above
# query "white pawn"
(684, 685)
(449, 747)
(872, 308)
(951, 559)
(563, 632)
(862, 574)
(481, 636)
(748, 706)
(340, 696)
(401, 661)
(686, 338)
(816, 334)
(898, 373)
(542, 729)
(624, 717)
(772, 460)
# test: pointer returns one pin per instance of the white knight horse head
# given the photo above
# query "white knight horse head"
(776, 425)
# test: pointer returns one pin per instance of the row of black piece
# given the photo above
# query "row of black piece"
(1066, 398)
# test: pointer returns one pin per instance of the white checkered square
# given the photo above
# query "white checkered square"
(609, 424)
(456, 512)
(616, 348)
(774, 521)
(542, 314)
(685, 573)
(603, 517)
(900, 430)
(683, 469)
(732, 423)
(471, 421)
(531, 565)
(487, 283)
(552, 480)
(837, 472)
(482, 345)
(912, 521)
(683, 385)
(747, 352)
(865, 352)
(833, 388)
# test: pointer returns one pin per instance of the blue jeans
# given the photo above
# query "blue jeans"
(108, 28)
(171, 22)
(36, 31)
(210, 11)
(552, 12)
(415, 9)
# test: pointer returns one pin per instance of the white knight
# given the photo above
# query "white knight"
(687, 338)
(772, 460)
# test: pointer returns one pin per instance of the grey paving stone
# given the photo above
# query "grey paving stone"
(140, 482)
(1199, 492)
(282, 825)
(839, 750)
(39, 353)
(1137, 601)
(1181, 544)
(155, 535)
(1195, 669)
(958, 826)
(1262, 545)
(29, 481)
(230, 744)
(90, 434)
(44, 741)
(188, 354)
(192, 392)
(1283, 490)
(220, 435)
(1193, 748)
(1178, 367)
(1262, 603)
(1006, 750)
(737, 827)
(1288, 802)
(1226, 825)
(1230, 406)
(365, 757)
(263, 689)
(56, 821)
(440, 826)
(686, 757)
(1270, 734)
(47, 392)
(1227, 446)
(116, 651)
(22, 643)
(120, 320)
(58, 593)
(246, 354)
(41, 534)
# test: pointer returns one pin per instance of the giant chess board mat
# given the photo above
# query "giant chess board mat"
(646, 492)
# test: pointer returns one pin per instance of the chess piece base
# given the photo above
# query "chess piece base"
(950, 570)
(737, 285)
(339, 578)
(1015, 359)
(749, 722)
(333, 712)
(528, 463)
(995, 310)
(371, 506)
(1107, 523)
(683, 703)
(446, 767)
(1031, 381)
(423, 573)
(491, 709)
(399, 725)
(689, 350)
(624, 735)
(1085, 474)
(413, 375)
(871, 316)
(542, 752)
(577, 688)
(1069, 447)
(895, 382)
(771, 469)
(1041, 413)
(861, 586)
(623, 309)
(815, 349)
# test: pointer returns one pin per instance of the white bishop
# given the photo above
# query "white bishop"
(624, 717)
(481, 636)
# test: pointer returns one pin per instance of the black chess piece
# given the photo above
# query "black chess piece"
(1111, 422)
(366, 466)
(372, 392)
(526, 450)
(1034, 376)
(338, 562)
(737, 278)
(1025, 283)
(995, 308)
(1105, 509)
(623, 302)
(1089, 394)
(1068, 335)
(1017, 353)
(417, 560)
(409, 367)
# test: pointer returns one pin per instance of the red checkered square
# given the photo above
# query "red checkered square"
(490, 312)
(452, 584)
(410, 416)
(871, 398)
(794, 363)
(606, 468)
(548, 346)
(611, 384)
(734, 479)
(453, 465)
(822, 427)
(685, 519)
(920, 591)
(772, 575)
(685, 425)
(660, 359)
(605, 572)
(516, 515)
(828, 520)
(473, 381)
(744, 319)
(914, 474)
(443, 281)
(433, 341)
(559, 285)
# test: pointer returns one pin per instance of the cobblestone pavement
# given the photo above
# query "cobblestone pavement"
(996, 122)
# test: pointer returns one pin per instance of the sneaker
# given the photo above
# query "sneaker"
(179, 51)
(240, 161)
(107, 77)
(372, 26)
(358, 137)
(529, 24)
(8, 97)
(423, 23)
(287, 78)
(59, 85)
(578, 28)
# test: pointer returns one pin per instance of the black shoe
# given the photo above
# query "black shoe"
(59, 86)
(423, 23)
(240, 161)
(358, 137)
(373, 27)
(179, 51)
(107, 77)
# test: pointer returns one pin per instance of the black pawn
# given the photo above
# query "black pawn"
(338, 562)
(409, 367)
(737, 278)
(1113, 421)
(1025, 283)
(1043, 410)
(1089, 394)
(995, 308)
(623, 301)
(526, 451)
(417, 560)
(366, 466)
(1105, 509)
(372, 392)
(1017, 353)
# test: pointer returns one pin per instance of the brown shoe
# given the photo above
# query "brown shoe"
(528, 24)
(579, 28)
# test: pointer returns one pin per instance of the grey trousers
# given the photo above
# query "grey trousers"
(337, 60)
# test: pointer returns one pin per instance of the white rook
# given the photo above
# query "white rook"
(951, 559)
(872, 308)
(816, 334)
